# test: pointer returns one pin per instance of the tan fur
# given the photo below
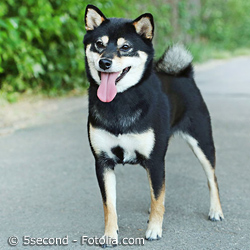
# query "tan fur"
(157, 206)
(93, 20)
(157, 210)
(144, 27)
(120, 41)
(118, 65)
(105, 40)
(215, 205)
(110, 219)
(109, 207)
(214, 191)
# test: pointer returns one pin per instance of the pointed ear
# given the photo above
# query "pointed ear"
(144, 26)
(93, 17)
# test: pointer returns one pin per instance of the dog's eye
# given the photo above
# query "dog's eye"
(99, 45)
(125, 48)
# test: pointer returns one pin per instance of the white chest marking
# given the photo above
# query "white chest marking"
(103, 141)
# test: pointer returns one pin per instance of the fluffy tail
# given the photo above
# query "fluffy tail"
(176, 61)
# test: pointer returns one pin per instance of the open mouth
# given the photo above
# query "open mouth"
(120, 76)
(107, 89)
(124, 72)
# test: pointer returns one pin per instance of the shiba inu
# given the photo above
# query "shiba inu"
(136, 105)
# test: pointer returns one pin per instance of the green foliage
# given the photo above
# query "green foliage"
(41, 46)
(227, 23)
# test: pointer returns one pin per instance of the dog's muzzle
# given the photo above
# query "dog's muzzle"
(105, 63)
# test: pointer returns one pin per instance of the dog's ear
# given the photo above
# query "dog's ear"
(144, 26)
(93, 17)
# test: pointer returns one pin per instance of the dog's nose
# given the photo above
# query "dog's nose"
(105, 63)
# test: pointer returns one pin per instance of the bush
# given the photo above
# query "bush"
(226, 23)
(41, 46)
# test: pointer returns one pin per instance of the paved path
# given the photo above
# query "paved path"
(48, 186)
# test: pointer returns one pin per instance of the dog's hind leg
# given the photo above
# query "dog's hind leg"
(107, 183)
(199, 138)
(156, 176)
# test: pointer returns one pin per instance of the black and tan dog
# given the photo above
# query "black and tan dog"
(135, 106)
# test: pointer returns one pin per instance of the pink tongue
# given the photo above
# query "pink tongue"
(107, 89)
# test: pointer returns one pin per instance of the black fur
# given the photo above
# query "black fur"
(168, 103)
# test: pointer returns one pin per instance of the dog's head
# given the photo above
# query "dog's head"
(118, 51)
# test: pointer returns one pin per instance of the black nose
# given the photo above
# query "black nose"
(105, 63)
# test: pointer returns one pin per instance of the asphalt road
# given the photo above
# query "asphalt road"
(48, 186)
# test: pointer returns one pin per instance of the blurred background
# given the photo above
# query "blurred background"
(41, 50)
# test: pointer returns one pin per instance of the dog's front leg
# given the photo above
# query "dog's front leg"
(156, 176)
(107, 183)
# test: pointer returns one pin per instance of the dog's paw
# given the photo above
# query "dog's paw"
(154, 232)
(215, 215)
(109, 241)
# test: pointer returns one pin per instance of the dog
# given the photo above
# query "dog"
(136, 105)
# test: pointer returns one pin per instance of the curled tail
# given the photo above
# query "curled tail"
(176, 61)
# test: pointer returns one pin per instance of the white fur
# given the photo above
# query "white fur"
(92, 57)
(154, 231)
(131, 78)
(175, 59)
(134, 75)
(93, 19)
(110, 187)
(120, 41)
(144, 26)
(215, 206)
(105, 40)
(200, 155)
(103, 141)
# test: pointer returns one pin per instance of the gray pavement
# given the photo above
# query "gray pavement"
(48, 186)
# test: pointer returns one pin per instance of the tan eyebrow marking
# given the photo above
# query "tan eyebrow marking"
(105, 40)
(120, 41)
